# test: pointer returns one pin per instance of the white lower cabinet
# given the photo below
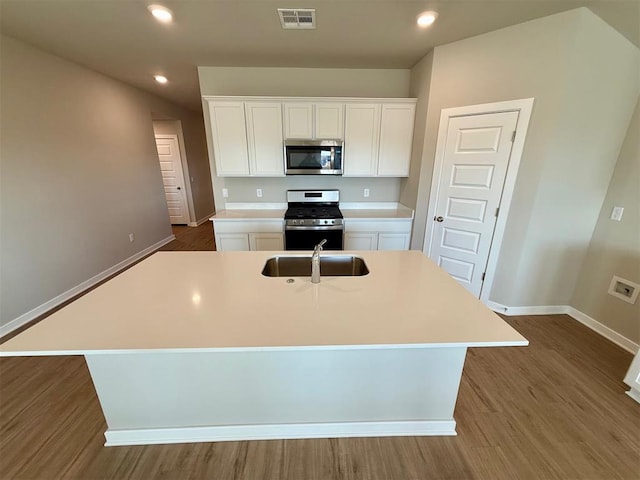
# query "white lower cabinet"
(361, 241)
(266, 242)
(393, 241)
(377, 235)
(232, 242)
(250, 235)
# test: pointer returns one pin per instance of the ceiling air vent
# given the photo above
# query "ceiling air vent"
(301, 18)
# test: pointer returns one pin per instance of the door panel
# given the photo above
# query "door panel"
(329, 121)
(361, 241)
(264, 135)
(396, 134)
(361, 137)
(476, 156)
(298, 120)
(173, 179)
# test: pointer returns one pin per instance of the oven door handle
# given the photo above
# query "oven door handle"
(314, 227)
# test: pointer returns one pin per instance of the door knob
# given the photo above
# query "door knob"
(438, 219)
(179, 188)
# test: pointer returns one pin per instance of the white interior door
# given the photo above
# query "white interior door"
(476, 155)
(173, 179)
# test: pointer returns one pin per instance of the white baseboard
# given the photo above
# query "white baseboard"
(634, 394)
(151, 436)
(603, 330)
(63, 297)
(202, 220)
(583, 318)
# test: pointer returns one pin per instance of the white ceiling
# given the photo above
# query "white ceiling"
(121, 39)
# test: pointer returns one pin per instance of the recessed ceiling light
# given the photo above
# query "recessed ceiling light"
(426, 18)
(162, 13)
(160, 78)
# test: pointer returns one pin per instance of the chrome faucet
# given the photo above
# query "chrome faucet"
(315, 262)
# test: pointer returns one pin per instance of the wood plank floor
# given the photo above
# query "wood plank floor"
(553, 410)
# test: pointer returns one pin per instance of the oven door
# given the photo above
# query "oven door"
(306, 238)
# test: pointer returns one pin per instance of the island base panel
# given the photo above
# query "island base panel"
(247, 395)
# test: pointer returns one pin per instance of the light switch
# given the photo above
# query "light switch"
(616, 213)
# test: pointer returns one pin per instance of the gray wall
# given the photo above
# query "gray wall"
(79, 173)
(311, 82)
(419, 88)
(615, 246)
(583, 75)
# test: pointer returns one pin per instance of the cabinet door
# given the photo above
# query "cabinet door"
(396, 138)
(393, 241)
(229, 138)
(329, 121)
(361, 135)
(264, 136)
(266, 242)
(298, 120)
(361, 241)
(229, 242)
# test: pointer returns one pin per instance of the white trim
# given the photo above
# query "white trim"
(633, 393)
(151, 436)
(202, 220)
(537, 310)
(63, 297)
(524, 107)
(586, 320)
(254, 206)
(615, 337)
(240, 98)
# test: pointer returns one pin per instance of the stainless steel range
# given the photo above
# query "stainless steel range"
(313, 216)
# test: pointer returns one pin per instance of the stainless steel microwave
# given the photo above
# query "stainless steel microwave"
(313, 157)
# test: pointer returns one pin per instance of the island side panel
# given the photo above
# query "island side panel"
(270, 389)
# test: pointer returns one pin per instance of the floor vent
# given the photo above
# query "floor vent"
(300, 18)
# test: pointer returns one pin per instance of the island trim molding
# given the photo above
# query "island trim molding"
(154, 436)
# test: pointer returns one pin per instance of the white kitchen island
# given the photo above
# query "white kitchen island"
(199, 346)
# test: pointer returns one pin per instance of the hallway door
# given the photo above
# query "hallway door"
(173, 178)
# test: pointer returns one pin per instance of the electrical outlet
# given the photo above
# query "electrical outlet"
(624, 289)
(225, 192)
(259, 192)
(366, 192)
(616, 213)
(131, 237)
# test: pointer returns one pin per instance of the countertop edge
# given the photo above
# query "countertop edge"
(46, 353)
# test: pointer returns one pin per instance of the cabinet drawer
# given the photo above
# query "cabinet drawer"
(248, 226)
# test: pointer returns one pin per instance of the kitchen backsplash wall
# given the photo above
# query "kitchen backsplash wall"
(243, 189)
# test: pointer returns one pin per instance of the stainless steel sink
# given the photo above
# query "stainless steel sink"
(300, 266)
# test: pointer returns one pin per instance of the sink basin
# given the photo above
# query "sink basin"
(300, 266)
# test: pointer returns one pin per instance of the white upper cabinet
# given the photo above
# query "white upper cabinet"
(298, 120)
(396, 137)
(264, 136)
(378, 139)
(361, 137)
(229, 138)
(329, 121)
(247, 138)
(307, 120)
(247, 134)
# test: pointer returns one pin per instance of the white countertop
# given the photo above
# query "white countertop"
(175, 301)
(252, 214)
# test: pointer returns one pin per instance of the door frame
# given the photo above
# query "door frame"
(524, 107)
(185, 174)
